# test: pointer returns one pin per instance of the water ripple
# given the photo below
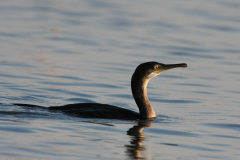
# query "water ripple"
(204, 92)
(68, 92)
(125, 96)
(224, 126)
(225, 136)
(17, 129)
(220, 28)
(99, 85)
(75, 40)
(16, 76)
(193, 147)
(180, 101)
(44, 9)
(14, 35)
(195, 85)
(63, 77)
(171, 132)
(80, 100)
(178, 53)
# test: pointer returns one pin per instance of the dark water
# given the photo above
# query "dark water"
(62, 52)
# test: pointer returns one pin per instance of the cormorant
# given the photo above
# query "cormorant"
(140, 78)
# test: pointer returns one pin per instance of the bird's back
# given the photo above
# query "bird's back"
(97, 110)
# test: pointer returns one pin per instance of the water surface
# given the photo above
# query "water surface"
(61, 52)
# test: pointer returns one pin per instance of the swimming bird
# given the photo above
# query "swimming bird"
(140, 78)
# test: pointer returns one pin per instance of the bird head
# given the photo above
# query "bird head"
(149, 70)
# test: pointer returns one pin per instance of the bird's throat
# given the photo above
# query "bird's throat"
(139, 90)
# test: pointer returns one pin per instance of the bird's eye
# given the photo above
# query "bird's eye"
(156, 66)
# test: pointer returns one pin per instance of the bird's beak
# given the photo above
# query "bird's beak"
(170, 66)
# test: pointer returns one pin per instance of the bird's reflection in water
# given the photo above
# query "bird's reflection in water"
(135, 149)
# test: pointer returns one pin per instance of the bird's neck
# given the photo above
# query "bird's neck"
(139, 90)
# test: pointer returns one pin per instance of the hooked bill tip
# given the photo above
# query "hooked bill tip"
(185, 65)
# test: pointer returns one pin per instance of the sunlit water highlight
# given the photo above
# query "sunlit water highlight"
(62, 52)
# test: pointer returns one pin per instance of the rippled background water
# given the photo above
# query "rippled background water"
(56, 52)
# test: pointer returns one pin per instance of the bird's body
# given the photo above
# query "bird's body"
(143, 73)
(97, 110)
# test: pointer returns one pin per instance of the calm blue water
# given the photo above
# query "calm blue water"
(63, 52)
